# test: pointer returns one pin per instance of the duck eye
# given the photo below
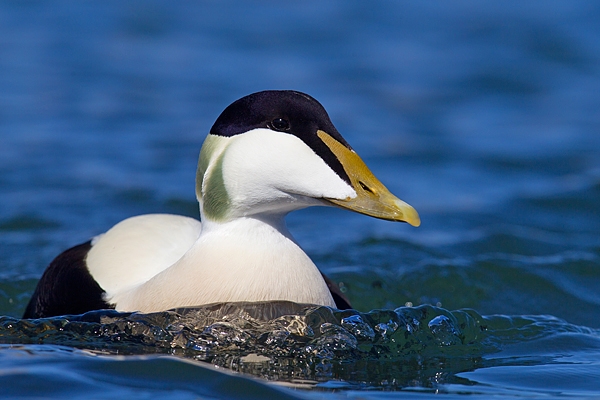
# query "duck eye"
(280, 124)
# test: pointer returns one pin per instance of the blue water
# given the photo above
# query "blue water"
(484, 116)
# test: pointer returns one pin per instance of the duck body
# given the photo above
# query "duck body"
(267, 154)
(201, 274)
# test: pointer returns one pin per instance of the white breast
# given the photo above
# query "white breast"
(242, 260)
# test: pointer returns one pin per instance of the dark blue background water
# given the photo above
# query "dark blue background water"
(484, 116)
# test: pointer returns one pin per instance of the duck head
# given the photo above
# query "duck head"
(273, 152)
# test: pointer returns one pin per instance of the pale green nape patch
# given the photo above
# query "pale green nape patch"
(206, 153)
(215, 200)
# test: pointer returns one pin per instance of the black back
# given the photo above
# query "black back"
(66, 287)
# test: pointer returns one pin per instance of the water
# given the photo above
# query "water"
(425, 348)
(482, 116)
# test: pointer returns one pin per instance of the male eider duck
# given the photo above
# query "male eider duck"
(267, 154)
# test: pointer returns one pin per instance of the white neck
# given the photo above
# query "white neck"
(244, 259)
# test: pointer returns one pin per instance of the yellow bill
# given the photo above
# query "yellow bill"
(372, 198)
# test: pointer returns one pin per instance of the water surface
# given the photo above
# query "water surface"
(482, 116)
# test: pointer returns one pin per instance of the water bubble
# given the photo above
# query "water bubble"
(358, 327)
(335, 338)
(444, 330)
(386, 329)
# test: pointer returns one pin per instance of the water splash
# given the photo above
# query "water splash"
(282, 341)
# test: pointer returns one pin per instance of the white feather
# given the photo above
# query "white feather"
(274, 172)
(243, 260)
(138, 248)
(157, 262)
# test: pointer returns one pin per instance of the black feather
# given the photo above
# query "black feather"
(341, 301)
(66, 287)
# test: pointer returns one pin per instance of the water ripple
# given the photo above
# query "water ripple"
(292, 342)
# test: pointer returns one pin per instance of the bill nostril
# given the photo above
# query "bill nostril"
(365, 187)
